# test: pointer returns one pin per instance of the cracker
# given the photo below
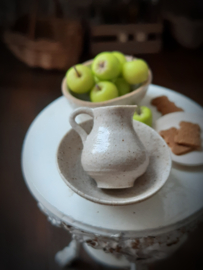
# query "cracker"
(189, 135)
(169, 135)
(164, 105)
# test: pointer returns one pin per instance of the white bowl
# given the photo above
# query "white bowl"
(131, 98)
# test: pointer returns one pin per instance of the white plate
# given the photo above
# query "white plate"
(167, 121)
(71, 171)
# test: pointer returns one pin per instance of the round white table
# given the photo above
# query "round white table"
(117, 235)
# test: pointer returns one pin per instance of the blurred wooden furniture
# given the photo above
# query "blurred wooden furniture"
(49, 43)
(130, 38)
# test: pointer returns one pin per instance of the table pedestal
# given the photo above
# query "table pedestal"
(106, 258)
(66, 256)
(115, 251)
(109, 260)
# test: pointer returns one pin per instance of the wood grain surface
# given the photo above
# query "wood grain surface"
(28, 241)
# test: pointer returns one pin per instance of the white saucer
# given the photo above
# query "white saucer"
(71, 171)
(167, 121)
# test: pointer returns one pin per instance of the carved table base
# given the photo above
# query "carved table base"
(106, 258)
(68, 254)
(122, 250)
(112, 261)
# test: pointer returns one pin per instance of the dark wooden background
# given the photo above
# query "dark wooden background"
(28, 241)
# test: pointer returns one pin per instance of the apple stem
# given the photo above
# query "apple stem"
(78, 74)
(97, 86)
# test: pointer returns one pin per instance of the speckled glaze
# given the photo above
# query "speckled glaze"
(113, 154)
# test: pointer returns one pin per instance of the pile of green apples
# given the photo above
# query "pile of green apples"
(109, 76)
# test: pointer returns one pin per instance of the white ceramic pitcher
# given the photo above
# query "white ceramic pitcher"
(112, 155)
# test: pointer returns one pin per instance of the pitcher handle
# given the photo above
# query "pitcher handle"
(76, 126)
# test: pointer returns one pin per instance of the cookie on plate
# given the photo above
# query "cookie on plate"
(168, 135)
(189, 135)
(164, 105)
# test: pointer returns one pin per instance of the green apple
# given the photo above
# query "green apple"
(103, 91)
(144, 116)
(122, 86)
(96, 79)
(121, 57)
(135, 71)
(106, 66)
(80, 79)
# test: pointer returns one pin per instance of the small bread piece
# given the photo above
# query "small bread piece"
(164, 105)
(168, 135)
(189, 135)
(159, 100)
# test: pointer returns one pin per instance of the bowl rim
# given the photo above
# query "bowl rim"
(80, 102)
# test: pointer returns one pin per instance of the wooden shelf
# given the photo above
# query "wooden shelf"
(130, 39)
